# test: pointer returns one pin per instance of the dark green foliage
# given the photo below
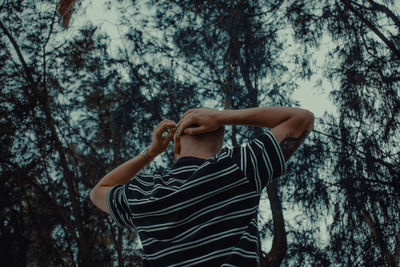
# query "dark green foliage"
(360, 143)
(70, 111)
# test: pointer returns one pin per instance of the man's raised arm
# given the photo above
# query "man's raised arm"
(125, 172)
(289, 125)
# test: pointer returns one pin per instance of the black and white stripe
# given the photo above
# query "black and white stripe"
(202, 212)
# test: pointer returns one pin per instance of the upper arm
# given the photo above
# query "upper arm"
(261, 160)
(114, 201)
(98, 196)
(292, 132)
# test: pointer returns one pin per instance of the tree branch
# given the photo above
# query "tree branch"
(19, 54)
(44, 50)
(86, 259)
(377, 234)
(385, 10)
(358, 14)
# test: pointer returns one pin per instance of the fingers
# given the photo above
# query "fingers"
(181, 121)
(168, 125)
(170, 135)
(187, 112)
(186, 122)
(162, 126)
(197, 130)
(177, 144)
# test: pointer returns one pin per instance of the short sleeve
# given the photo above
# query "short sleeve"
(260, 159)
(119, 206)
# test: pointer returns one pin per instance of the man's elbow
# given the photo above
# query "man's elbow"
(98, 196)
(307, 118)
(92, 195)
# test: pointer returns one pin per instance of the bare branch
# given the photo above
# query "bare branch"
(370, 25)
(385, 10)
(377, 234)
(42, 96)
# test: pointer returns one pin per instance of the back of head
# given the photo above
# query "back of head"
(215, 137)
(207, 143)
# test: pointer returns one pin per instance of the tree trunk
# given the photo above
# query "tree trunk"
(279, 244)
(392, 259)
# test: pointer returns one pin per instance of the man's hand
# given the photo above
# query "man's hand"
(160, 143)
(205, 118)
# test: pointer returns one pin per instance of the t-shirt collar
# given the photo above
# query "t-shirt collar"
(187, 160)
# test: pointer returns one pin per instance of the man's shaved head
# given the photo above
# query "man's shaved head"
(216, 136)
(200, 144)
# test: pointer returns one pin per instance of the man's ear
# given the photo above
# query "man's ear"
(177, 144)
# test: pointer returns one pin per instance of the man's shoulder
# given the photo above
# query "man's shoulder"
(143, 179)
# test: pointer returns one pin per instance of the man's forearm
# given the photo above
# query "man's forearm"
(124, 172)
(261, 116)
(120, 175)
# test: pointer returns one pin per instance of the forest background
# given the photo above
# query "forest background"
(76, 102)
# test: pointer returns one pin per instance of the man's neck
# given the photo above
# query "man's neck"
(195, 154)
(199, 149)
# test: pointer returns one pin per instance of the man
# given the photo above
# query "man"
(203, 212)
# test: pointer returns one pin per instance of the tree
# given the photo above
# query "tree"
(360, 141)
(70, 112)
(47, 216)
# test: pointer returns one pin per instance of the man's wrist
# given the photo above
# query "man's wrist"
(221, 117)
(153, 154)
(149, 154)
(226, 117)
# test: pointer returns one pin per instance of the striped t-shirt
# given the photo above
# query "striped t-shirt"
(202, 212)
